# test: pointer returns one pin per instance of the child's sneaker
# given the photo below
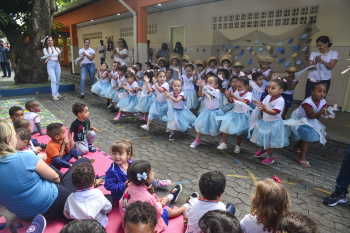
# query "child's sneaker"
(193, 195)
(43, 146)
(38, 224)
(145, 127)
(110, 106)
(237, 149)
(92, 148)
(125, 114)
(194, 144)
(260, 153)
(136, 114)
(117, 118)
(171, 137)
(163, 183)
(335, 198)
(268, 161)
(176, 192)
(231, 208)
(222, 146)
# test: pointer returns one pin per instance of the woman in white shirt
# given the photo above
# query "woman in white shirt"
(87, 56)
(121, 53)
(326, 58)
(53, 66)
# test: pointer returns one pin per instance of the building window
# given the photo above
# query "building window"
(270, 22)
(220, 26)
(271, 14)
(286, 13)
(294, 21)
(243, 16)
(225, 25)
(263, 15)
(286, 21)
(314, 10)
(304, 10)
(249, 24)
(313, 19)
(277, 22)
(215, 19)
(303, 20)
(152, 29)
(232, 17)
(250, 16)
(278, 13)
(237, 17)
(225, 18)
(242, 24)
(295, 12)
(236, 24)
(220, 19)
(256, 15)
(230, 25)
(214, 26)
(262, 23)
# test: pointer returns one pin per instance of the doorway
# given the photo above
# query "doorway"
(177, 34)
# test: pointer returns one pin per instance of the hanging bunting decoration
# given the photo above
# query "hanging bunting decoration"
(249, 48)
(281, 60)
(287, 63)
(282, 52)
(295, 54)
(279, 43)
(253, 53)
(256, 42)
(241, 53)
(225, 50)
(268, 47)
(228, 45)
(236, 47)
(296, 47)
(290, 40)
(304, 49)
(229, 50)
(250, 61)
(279, 50)
(303, 36)
(236, 57)
(260, 49)
(298, 62)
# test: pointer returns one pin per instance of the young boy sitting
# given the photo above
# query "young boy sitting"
(33, 143)
(23, 138)
(87, 203)
(84, 133)
(212, 187)
(140, 217)
(16, 112)
(33, 107)
(58, 151)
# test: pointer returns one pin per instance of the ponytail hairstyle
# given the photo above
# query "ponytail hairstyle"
(225, 71)
(150, 75)
(138, 173)
(6, 132)
(218, 81)
(122, 68)
(283, 83)
(325, 40)
(129, 74)
(123, 145)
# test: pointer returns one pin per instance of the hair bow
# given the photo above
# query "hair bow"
(220, 77)
(284, 80)
(43, 40)
(132, 71)
(117, 60)
(123, 64)
(141, 176)
(224, 67)
(277, 180)
(151, 70)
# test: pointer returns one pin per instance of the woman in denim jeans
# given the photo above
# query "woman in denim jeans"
(53, 66)
(87, 56)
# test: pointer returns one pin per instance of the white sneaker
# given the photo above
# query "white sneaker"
(222, 146)
(110, 106)
(237, 149)
(145, 127)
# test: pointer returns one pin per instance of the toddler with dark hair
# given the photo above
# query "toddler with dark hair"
(87, 203)
(219, 221)
(297, 222)
(140, 217)
(16, 112)
(83, 226)
(33, 107)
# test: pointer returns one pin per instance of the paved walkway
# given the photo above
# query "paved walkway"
(175, 160)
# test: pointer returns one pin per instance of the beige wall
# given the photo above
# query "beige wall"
(333, 19)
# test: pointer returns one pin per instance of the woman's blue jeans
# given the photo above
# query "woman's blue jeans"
(343, 179)
(54, 71)
(85, 69)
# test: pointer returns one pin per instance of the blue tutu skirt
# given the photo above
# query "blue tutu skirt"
(144, 103)
(307, 130)
(111, 93)
(104, 88)
(179, 120)
(224, 104)
(270, 134)
(116, 97)
(191, 98)
(128, 103)
(157, 110)
(96, 87)
(201, 105)
(234, 123)
(206, 122)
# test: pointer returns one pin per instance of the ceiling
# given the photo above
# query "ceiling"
(153, 9)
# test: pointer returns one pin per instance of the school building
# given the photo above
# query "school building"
(244, 28)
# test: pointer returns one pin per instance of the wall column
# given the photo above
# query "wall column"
(74, 48)
(142, 34)
(65, 51)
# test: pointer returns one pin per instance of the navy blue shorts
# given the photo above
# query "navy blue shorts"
(165, 216)
(288, 99)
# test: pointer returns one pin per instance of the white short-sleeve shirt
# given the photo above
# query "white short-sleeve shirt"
(291, 92)
(250, 224)
(215, 71)
(132, 86)
(121, 80)
(300, 112)
(327, 58)
(181, 103)
(188, 83)
(212, 102)
(246, 96)
(225, 84)
(113, 81)
(33, 117)
(106, 80)
(103, 54)
(88, 51)
(55, 53)
(265, 83)
(116, 57)
(160, 95)
(273, 104)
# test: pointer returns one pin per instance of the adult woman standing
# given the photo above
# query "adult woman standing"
(31, 186)
(327, 60)
(53, 66)
(121, 53)
(179, 49)
(87, 56)
(163, 52)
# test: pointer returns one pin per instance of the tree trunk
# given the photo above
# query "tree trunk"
(25, 57)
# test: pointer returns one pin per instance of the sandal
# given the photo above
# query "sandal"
(305, 164)
(97, 182)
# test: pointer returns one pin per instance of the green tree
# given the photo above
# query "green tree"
(25, 23)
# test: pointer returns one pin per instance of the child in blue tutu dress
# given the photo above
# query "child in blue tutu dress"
(121, 70)
(112, 90)
(159, 106)
(102, 85)
(256, 83)
(178, 117)
(206, 122)
(189, 80)
(236, 121)
(269, 132)
(128, 103)
(144, 97)
(224, 104)
(304, 125)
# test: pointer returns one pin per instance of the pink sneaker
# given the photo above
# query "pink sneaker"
(117, 118)
(268, 161)
(260, 153)
(194, 144)
(164, 183)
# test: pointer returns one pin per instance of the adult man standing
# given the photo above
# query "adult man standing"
(102, 51)
(4, 60)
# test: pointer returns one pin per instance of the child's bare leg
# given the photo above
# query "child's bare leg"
(224, 137)
(173, 213)
(198, 136)
(172, 131)
(296, 145)
(239, 140)
(269, 152)
(303, 149)
(149, 122)
(285, 111)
